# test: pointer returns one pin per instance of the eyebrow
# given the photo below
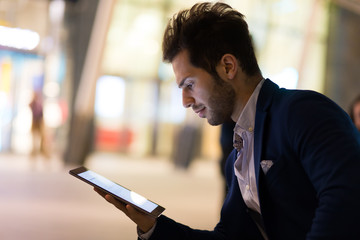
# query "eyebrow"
(181, 84)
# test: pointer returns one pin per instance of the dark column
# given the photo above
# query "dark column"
(79, 20)
(342, 81)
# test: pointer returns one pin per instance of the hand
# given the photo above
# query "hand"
(144, 221)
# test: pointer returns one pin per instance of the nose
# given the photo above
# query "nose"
(188, 100)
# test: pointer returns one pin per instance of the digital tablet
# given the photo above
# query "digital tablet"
(119, 192)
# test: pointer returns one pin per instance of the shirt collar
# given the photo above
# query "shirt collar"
(246, 121)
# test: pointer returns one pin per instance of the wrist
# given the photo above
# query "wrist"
(146, 226)
(145, 235)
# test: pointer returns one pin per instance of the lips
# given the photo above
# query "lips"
(200, 111)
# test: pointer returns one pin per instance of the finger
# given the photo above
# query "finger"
(144, 221)
(116, 203)
(138, 216)
(134, 212)
(111, 199)
(100, 192)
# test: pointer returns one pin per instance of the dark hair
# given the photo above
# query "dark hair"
(208, 31)
(352, 105)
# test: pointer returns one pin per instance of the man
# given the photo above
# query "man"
(355, 112)
(38, 126)
(295, 171)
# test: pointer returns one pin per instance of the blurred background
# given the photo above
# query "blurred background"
(82, 82)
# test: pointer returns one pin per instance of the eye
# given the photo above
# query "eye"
(189, 85)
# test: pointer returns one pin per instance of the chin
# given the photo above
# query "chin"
(214, 123)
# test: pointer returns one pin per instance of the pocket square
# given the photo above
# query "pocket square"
(266, 165)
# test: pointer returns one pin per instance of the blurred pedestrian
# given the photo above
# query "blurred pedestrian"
(38, 127)
(354, 112)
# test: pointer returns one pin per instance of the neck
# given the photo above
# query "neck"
(244, 87)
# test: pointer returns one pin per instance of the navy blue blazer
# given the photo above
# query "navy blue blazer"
(312, 190)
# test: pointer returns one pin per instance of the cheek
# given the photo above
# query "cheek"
(202, 96)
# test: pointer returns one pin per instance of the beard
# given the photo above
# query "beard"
(221, 103)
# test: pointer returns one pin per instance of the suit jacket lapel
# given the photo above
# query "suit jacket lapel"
(259, 131)
(263, 103)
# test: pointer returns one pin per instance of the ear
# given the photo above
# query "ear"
(227, 67)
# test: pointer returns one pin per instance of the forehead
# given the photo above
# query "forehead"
(181, 66)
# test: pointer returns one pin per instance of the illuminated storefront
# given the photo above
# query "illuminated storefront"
(30, 62)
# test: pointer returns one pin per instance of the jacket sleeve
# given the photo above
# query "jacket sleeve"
(234, 224)
(167, 228)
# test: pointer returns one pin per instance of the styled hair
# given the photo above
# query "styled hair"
(208, 31)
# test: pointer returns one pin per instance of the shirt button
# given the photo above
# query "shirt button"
(251, 129)
(247, 187)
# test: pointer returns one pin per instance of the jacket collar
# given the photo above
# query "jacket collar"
(264, 102)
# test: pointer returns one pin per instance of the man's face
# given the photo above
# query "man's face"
(209, 98)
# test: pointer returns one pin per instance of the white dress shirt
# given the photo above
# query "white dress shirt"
(244, 165)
